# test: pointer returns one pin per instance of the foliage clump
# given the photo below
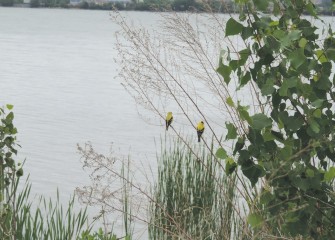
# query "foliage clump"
(288, 143)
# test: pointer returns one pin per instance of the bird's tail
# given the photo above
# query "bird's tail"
(198, 138)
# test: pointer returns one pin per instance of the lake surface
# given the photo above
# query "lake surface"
(57, 69)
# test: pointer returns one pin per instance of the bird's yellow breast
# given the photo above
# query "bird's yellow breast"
(168, 116)
(200, 126)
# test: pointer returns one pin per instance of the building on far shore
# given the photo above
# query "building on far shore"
(99, 2)
(75, 2)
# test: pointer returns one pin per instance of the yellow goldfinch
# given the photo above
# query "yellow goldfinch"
(200, 129)
(168, 120)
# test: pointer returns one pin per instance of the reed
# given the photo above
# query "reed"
(193, 198)
(48, 219)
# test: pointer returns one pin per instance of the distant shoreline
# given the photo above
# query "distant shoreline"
(131, 6)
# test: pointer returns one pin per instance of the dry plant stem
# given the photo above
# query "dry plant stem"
(133, 35)
(149, 56)
(90, 155)
(200, 55)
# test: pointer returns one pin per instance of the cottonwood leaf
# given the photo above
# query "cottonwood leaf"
(302, 42)
(224, 71)
(232, 134)
(317, 103)
(260, 121)
(321, 56)
(286, 39)
(230, 166)
(330, 174)
(261, 4)
(233, 27)
(221, 153)
(253, 172)
(230, 102)
(317, 113)
(9, 106)
(297, 58)
(314, 126)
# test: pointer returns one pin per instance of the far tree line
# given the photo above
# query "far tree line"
(325, 7)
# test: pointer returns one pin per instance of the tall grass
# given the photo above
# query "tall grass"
(48, 219)
(193, 198)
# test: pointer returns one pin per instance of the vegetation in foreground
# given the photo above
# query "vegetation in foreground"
(22, 218)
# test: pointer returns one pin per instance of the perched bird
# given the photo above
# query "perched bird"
(168, 120)
(200, 129)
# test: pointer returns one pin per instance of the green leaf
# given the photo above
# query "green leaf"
(233, 27)
(330, 53)
(232, 134)
(286, 39)
(317, 113)
(253, 172)
(247, 32)
(230, 166)
(310, 173)
(242, 110)
(274, 23)
(314, 126)
(260, 121)
(230, 102)
(255, 220)
(317, 103)
(234, 64)
(244, 80)
(14, 131)
(285, 153)
(239, 145)
(279, 34)
(224, 71)
(19, 172)
(268, 136)
(261, 4)
(297, 58)
(302, 42)
(287, 84)
(311, 9)
(244, 55)
(268, 87)
(221, 153)
(291, 122)
(9, 106)
(321, 56)
(9, 117)
(330, 174)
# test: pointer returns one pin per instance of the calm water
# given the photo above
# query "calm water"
(57, 69)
